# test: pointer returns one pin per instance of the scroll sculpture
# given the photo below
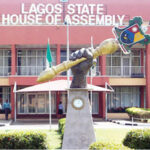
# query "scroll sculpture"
(107, 47)
(79, 132)
(125, 39)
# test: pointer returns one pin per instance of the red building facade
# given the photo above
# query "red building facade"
(23, 49)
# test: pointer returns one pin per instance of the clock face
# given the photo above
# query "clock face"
(77, 103)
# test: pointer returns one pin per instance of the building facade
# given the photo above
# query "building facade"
(23, 52)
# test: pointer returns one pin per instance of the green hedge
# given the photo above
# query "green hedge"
(61, 126)
(138, 139)
(106, 146)
(138, 112)
(22, 140)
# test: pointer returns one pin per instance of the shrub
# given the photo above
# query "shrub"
(109, 146)
(138, 139)
(61, 126)
(22, 140)
(138, 112)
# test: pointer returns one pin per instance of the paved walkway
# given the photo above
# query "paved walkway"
(5, 122)
(44, 124)
(130, 123)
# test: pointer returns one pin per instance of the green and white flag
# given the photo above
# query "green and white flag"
(48, 56)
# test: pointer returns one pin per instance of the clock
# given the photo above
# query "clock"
(77, 103)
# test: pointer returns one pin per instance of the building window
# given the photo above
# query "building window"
(36, 103)
(5, 62)
(63, 57)
(119, 64)
(32, 62)
(22, 103)
(122, 98)
(95, 102)
(4, 94)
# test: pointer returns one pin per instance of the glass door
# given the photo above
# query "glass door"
(32, 103)
(41, 103)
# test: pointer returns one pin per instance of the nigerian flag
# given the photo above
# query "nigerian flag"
(48, 56)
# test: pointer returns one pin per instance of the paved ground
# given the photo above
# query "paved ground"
(44, 124)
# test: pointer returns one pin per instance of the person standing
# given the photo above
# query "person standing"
(60, 109)
(6, 107)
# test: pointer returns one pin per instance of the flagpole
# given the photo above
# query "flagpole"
(106, 102)
(91, 77)
(49, 64)
(14, 90)
(50, 120)
(48, 40)
(15, 107)
(68, 72)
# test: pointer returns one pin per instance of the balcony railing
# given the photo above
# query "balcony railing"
(112, 71)
(126, 71)
(5, 71)
(36, 70)
(30, 70)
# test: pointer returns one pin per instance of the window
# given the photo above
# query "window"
(62, 59)
(119, 64)
(22, 103)
(33, 62)
(122, 98)
(113, 64)
(5, 62)
(95, 102)
(36, 103)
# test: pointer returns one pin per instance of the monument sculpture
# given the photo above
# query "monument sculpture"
(79, 132)
(80, 71)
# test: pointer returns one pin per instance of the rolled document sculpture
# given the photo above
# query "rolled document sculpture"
(108, 46)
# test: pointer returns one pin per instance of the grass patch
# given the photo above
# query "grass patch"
(112, 135)
(53, 139)
(108, 135)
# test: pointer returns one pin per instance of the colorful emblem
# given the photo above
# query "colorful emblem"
(131, 35)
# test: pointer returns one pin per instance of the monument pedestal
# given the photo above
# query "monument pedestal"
(79, 131)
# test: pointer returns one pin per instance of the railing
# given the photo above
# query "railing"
(30, 70)
(36, 70)
(5, 71)
(126, 71)
(111, 71)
